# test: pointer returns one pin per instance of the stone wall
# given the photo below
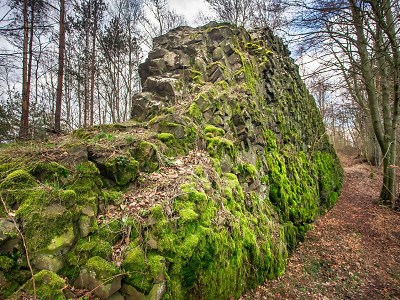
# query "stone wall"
(202, 195)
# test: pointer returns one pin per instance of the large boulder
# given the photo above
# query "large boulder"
(202, 195)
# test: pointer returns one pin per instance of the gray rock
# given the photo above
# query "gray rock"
(48, 262)
(157, 292)
(87, 279)
(164, 87)
(116, 296)
(218, 54)
(131, 293)
(7, 229)
(62, 241)
(9, 237)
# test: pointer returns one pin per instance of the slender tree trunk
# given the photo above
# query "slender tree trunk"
(386, 134)
(24, 128)
(60, 78)
(86, 82)
(93, 66)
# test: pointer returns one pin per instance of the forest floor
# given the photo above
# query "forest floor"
(353, 252)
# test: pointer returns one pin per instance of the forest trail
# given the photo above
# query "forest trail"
(353, 252)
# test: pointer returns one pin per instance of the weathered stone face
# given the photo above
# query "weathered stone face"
(201, 196)
(243, 94)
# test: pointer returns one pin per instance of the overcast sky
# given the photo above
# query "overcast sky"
(189, 8)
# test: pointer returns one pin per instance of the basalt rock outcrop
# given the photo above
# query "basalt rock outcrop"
(202, 195)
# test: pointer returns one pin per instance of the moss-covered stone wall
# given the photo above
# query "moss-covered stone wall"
(202, 195)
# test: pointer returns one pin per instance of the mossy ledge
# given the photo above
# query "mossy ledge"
(202, 195)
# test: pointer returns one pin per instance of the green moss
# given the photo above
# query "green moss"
(66, 238)
(143, 270)
(187, 215)
(123, 169)
(247, 172)
(49, 286)
(16, 188)
(195, 112)
(330, 177)
(188, 246)
(103, 269)
(157, 212)
(109, 232)
(111, 197)
(165, 136)
(217, 147)
(214, 131)
(82, 133)
(196, 76)
(44, 219)
(147, 155)
(51, 172)
(87, 248)
(270, 139)
(6, 263)
(87, 169)
(19, 179)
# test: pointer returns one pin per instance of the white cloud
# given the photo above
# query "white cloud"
(189, 8)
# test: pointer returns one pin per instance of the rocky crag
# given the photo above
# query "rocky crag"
(202, 195)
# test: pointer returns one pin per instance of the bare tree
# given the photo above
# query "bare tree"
(361, 38)
(251, 13)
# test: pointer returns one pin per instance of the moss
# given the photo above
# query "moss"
(147, 155)
(217, 147)
(103, 269)
(40, 208)
(214, 131)
(66, 238)
(270, 139)
(16, 188)
(49, 286)
(111, 197)
(247, 172)
(87, 248)
(87, 169)
(187, 215)
(142, 270)
(199, 171)
(109, 232)
(330, 177)
(123, 169)
(157, 212)
(51, 173)
(19, 179)
(196, 76)
(165, 136)
(188, 246)
(195, 112)
(82, 133)
(6, 263)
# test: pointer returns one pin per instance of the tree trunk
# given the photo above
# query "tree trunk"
(60, 78)
(386, 134)
(23, 133)
(86, 80)
(93, 66)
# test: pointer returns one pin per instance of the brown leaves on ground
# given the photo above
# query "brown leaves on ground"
(352, 252)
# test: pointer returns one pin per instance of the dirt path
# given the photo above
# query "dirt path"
(353, 252)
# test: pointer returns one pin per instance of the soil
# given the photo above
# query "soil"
(351, 253)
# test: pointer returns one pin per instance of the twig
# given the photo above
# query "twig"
(105, 282)
(24, 244)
